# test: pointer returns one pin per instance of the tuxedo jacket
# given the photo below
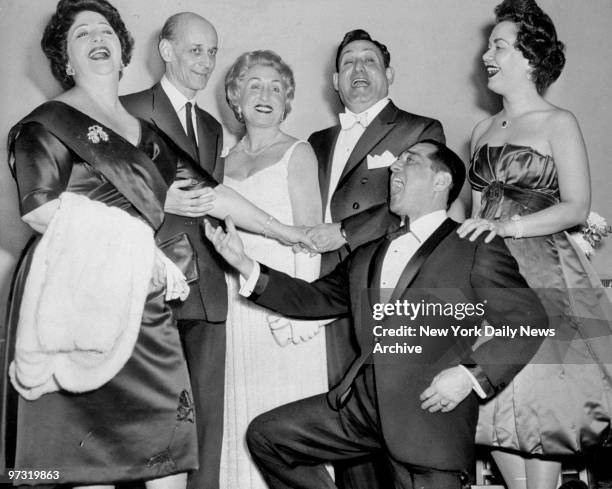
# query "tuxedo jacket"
(360, 200)
(207, 299)
(457, 271)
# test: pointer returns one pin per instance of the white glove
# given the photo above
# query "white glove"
(302, 331)
(176, 285)
(280, 328)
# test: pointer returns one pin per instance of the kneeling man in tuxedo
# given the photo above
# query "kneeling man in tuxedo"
(419, 409)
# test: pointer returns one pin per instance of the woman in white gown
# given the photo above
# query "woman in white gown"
(270, 360)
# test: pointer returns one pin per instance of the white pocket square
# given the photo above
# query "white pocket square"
(380, 161)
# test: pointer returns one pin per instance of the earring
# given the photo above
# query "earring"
(70, 70)
(239, 114)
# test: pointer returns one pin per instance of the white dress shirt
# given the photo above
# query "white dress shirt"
(347, 140)
(402, 248)
(178, 101)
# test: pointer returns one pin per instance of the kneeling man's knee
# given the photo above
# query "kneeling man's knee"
(260, 432)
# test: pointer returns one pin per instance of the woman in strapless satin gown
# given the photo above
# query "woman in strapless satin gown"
(530, 179)
(270, 360)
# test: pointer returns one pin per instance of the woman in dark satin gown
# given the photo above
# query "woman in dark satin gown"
(139, 425)
(530, 181)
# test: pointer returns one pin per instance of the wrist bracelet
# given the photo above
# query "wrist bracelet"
(519, 226)
(266, 225)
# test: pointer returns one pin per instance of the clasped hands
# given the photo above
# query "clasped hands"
(321, 238)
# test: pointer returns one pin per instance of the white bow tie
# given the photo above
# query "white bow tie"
(348, 120)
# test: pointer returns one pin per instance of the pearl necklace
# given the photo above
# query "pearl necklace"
(260, 150)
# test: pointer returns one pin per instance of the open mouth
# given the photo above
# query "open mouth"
(491, 70)
(360, 82)
(99, 53)
(396, 185)
(264, 109)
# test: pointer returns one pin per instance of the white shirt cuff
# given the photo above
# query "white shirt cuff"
(247, 286)
(475, 385)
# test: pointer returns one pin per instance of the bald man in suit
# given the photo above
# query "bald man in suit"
(188, 47)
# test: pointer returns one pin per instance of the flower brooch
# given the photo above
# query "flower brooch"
(96, 134)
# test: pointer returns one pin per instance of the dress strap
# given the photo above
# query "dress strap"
(289, 152)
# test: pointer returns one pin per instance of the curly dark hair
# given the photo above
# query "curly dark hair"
(361, 35)
(536, 38)
(54, 42)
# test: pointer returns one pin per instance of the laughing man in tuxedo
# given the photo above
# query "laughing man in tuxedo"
(188, 47)
(354, 158)
(419, 410)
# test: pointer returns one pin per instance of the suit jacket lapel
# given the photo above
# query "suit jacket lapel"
(166, 119)
(374, 133)
(325, 151)
(207, 143)
(420, 257)
(375, 270)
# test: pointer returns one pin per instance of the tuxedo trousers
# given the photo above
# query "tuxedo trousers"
(342, 348)
(291, 443)
(204, 347)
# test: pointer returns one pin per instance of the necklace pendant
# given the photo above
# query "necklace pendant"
(504, 124)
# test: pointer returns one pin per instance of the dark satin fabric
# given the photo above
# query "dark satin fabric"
(185, 170)
(140, 425)
(562, 401)
(514, 165)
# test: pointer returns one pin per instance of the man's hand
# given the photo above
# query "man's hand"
(195, 202)
(326, 236)
(447, 390)
(472, 228)
(229, 246)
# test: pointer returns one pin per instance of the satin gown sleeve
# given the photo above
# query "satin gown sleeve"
(43, 169)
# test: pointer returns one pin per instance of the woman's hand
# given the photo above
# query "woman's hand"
(280, 328)
(165, 272)
(158, 275)
(476, 226)
(302, 331)
(297, 237)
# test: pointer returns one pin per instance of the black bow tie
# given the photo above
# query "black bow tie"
(397, 231)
